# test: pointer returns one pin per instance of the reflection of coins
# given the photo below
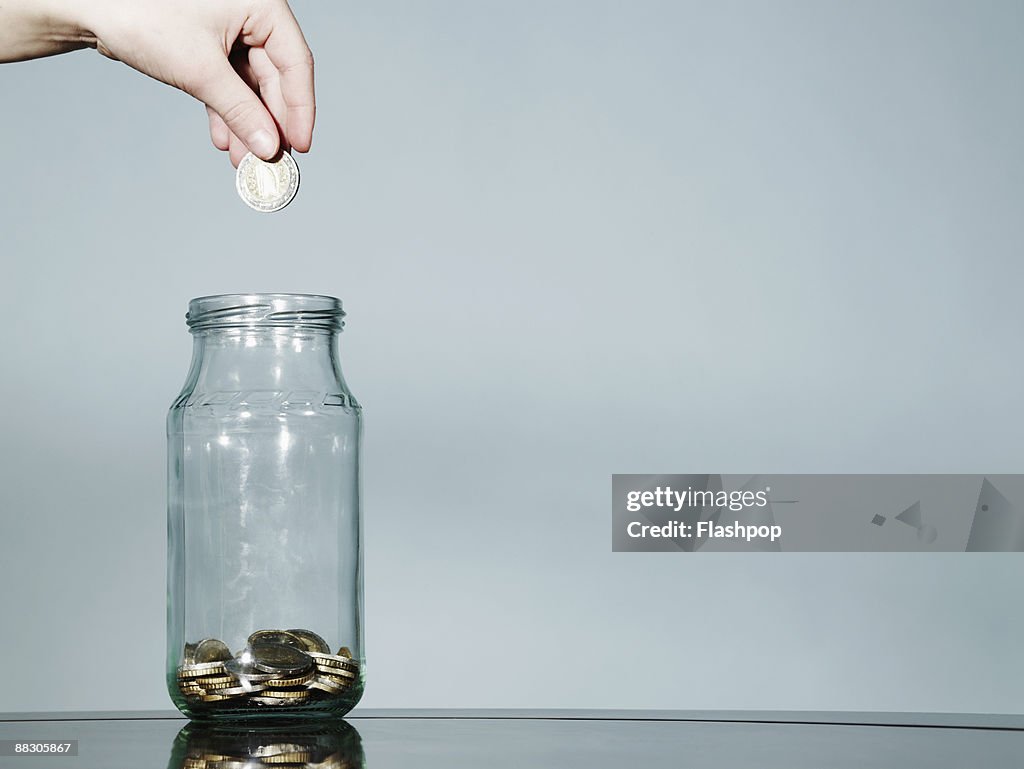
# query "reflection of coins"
(311, 641)
(264, 186)
(279, 658)
(278, 700)
(331, 744)
(297, 757)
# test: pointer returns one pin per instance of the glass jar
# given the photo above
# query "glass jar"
(264, 567)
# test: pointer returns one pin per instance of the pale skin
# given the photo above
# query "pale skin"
(246, 60)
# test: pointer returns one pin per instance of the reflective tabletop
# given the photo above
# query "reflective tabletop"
(424, 739)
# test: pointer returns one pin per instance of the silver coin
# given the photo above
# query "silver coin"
(279, 658)
(246, 673)
(264, 186)
(236, 691)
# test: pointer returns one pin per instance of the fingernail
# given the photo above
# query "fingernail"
(263, 144)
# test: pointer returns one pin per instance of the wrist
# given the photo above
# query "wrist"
(65, 21)
(34, 28)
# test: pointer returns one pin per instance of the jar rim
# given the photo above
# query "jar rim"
(272, 310)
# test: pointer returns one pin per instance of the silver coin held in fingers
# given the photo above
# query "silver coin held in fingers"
(267, 186)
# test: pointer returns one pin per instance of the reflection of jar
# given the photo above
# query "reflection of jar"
(265, 579)
(326, 746)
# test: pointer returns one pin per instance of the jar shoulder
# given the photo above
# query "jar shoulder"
(283, 401)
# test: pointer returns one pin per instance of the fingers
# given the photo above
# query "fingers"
(220, 134)
(263, 76)
(256, 71)
(236, 150)
(239, 107)
(287, 50)
(278, 66)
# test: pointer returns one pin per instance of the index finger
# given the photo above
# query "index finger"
(288, 52)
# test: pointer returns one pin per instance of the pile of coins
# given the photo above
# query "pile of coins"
(277, 668)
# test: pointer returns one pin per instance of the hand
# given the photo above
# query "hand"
(245, 59)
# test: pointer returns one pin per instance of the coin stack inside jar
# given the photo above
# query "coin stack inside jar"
(277, 668)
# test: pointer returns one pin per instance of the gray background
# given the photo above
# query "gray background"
(574, 239)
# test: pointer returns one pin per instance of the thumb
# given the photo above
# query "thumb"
(223, 91)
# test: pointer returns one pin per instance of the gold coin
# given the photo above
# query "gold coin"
(288, 694)
(339, 682)
(287, 683)
(200, 669)
(311, 641)
(212, 650)
(344, 651)
(335, 670)
(329, 659)
(215, 682)
(280, 658)
(276, 637)
(324, 685)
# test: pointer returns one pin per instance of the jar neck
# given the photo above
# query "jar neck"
(265, 359)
